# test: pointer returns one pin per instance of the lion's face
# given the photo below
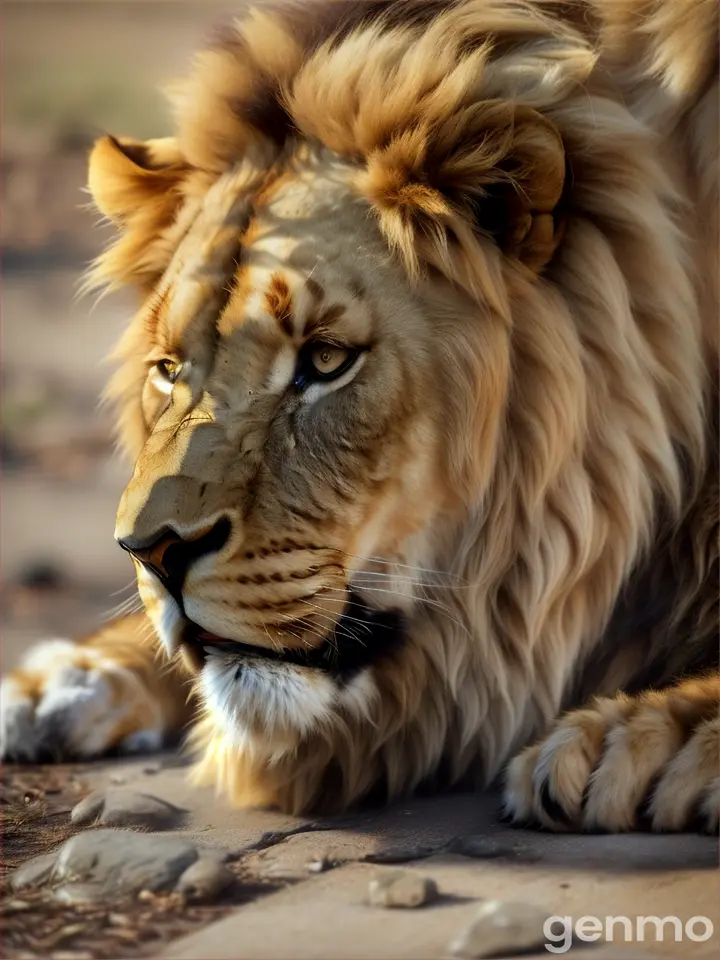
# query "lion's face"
(295, 446)
(333, 253)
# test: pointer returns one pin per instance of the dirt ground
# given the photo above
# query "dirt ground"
(299, 886)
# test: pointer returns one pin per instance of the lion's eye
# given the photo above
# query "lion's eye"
(165, 373)
(328, 359)
(324, 361)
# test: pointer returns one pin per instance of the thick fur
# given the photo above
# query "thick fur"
(511, 206)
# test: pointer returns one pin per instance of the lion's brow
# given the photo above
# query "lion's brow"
(323, 318)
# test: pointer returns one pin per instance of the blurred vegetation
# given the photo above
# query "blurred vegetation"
(76, 68)
(73, 70)
(61, 109)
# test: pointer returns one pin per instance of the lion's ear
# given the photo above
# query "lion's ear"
(140, 187)
(125, 175)
(497, 168)
(522, 208)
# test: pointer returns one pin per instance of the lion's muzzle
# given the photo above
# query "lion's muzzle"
(169, 555)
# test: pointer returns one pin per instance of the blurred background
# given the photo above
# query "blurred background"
(71, 71)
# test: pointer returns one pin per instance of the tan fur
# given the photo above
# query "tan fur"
(513, 206)
(602, 762)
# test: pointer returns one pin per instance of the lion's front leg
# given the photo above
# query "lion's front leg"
(623, 762)
(107, 693)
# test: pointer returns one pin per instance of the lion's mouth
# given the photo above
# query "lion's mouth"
(360, 637)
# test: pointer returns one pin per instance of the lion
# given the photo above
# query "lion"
(421, 398)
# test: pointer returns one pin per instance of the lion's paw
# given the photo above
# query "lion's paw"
(69, 701)
(625, 763)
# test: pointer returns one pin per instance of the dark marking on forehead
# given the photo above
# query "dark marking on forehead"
(279, 303)
(234, 282)
(227, 293)
(356, 288)
(238, 283)
(316, 290)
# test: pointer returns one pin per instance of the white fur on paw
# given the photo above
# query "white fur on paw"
(142, 741)
(69, 701)
(17, 713)
(46, 656)
(518, 794)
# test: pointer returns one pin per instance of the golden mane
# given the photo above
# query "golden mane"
(546, 157)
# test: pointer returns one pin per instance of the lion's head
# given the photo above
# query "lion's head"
(381, 365)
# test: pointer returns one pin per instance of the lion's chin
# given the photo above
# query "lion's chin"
(359, 638)
(266, 706)
(267, 700)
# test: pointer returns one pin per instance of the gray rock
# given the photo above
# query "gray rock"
(205, 879)
(105, 864)
(120, 807)
(490, 848)
(502, 929)
(120, 861)
(33, 872)
(402, 854)
(401, 888)
(80, 893)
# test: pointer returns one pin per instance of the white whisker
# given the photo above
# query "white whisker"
(123, 609)
(432, 603)
(131, 585)
(406, 566)
(357, 576)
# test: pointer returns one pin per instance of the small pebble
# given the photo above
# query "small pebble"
(152, 768)
(400, 854)
(16, 906)
(119, 920)
(205, 879)
(401, 888)
(481, 848)
(489, 848)
(502, 929)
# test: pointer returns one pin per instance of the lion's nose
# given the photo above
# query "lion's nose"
(169, 555)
